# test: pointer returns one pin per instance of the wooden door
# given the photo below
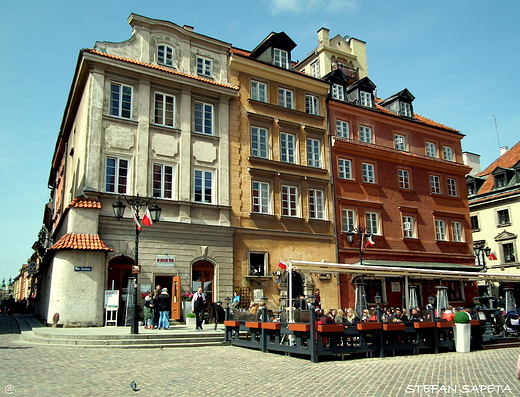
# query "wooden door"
(176, 298)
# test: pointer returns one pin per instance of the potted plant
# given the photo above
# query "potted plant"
(186, 304)
(462, 332)
(190, 319)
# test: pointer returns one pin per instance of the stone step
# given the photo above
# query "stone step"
(102, 340)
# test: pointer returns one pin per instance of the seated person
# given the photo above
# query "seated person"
(416, 315)
(351, 317)
(400, 316)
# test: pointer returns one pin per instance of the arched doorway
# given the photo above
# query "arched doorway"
(202, 275)
(119, 271)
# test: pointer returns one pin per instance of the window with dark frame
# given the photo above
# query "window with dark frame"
(257, 263)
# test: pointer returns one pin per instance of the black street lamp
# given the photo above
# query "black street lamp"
(136, 203)
(363, 237)
(479, 249)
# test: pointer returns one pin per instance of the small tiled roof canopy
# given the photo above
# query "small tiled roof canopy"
(85, 202)
(88, 242)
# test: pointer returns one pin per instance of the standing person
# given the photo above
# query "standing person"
(163, 304)
(317, 301)
(236, 301)
(198, 304)
(148, 310)
(156, 308)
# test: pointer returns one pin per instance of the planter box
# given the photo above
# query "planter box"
(232, 323)
(272, 326)
(331, 327)
(424, 324)
(369, 326)
(462, 333)
(474, 323)
(444, 324)
(253, 324)
(191, 321)
(299, 327)
(394, 327)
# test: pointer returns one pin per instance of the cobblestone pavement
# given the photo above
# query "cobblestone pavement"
(30, 370)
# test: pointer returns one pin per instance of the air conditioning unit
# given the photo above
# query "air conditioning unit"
(324, 276)
(407, 226)
(399, 140)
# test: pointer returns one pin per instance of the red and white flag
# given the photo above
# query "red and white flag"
(147, 218)
(369, 242)
(137, 224)
(282, 265)
(492, 256)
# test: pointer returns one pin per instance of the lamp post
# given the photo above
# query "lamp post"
(377, 300)
(228, 301)
(361, 233)
(136, 203)
(479, 249)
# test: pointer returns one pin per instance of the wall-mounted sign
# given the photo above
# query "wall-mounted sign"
(136, 269)
(82, 268)
(165, 260)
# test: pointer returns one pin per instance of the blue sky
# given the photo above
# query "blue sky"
(458, 58)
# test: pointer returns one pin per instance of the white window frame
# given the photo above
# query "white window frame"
(456, 229)
(204, 186)
(403, 177)
(447, 153)
(167, 57)
(163, 181)
(345, 169)
(122, 106)
(405, 109)
(312, 105)
(285, 98)
(440, 230)
(368, 171)
(164, 109)
(204, 66)
(400, 142)
(281, 58)
(408, 226)
(204, 112)
(316, 204)
(365, 134)
(290, 201)
(372, 222)
(435, 184)
(348, 220)
(365, 99)
(288, 147)
(342, 129)
(121, 175)
(261, 195)
(260, 142)
(258, 91)
(338, 92)
(313, 153)
(452, 187)
(315, 69)
(431, 149)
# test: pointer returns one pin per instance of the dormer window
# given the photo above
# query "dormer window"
(337, 92)
(165, 55)
(281, 58)
(365, 99)
(500, 180)
(473, 184)
(400, 103)
(502, 177)
(405, 109)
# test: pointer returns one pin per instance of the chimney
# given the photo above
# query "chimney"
(323, 36)
(188, 28)
(473, 160)
(503, 149)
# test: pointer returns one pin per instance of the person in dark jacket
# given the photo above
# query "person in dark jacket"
(163, 305)
(198, 304)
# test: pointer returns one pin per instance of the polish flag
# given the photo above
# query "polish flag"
(369, 242)
(282, 265)
(137, 225)
(492, 256)
(147, 218)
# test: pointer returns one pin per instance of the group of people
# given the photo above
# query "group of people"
(157, 307)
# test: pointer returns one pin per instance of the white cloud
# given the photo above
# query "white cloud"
(309, 6)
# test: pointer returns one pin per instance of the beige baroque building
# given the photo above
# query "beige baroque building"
(148, 116)
(281, 196)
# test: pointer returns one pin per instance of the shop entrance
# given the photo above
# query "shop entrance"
(203, 276)
(119, 271)
(174, 289)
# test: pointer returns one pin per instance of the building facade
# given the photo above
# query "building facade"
(150, 117)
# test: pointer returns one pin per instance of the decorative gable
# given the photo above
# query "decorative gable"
(505, 235)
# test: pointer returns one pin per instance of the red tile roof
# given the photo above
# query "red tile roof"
(158, 67)
(85, 202)
(499, 195)
(89, 242)
(507, 160)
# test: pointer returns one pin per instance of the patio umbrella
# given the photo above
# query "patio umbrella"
(361, 298)
(442, 298)
(510, 300)
(412, 293)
